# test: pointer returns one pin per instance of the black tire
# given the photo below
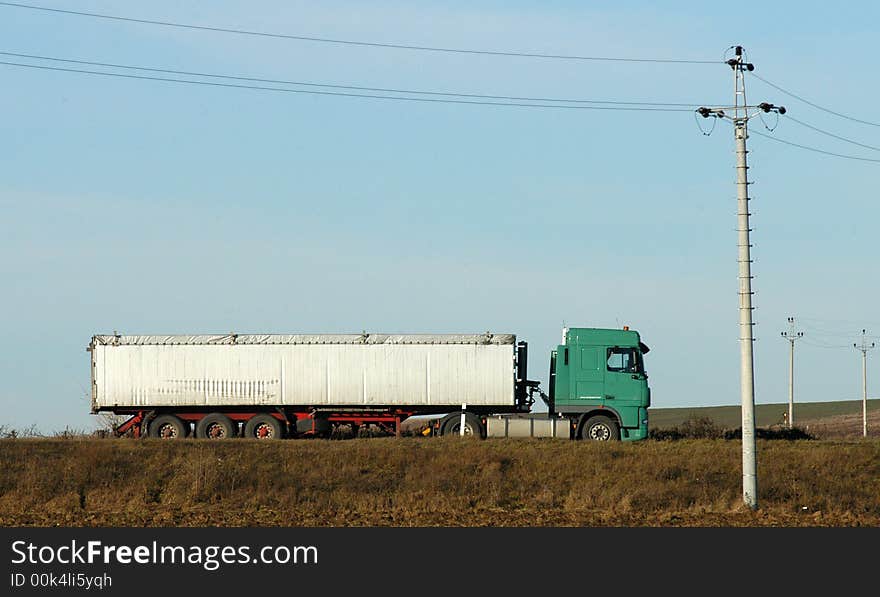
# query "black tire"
(263, 426)
(473, 426)
(215, 426)
(600, 429)
(168, 427)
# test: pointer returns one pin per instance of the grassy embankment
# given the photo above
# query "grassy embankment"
(434, 482)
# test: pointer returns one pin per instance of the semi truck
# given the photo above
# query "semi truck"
(273, 386)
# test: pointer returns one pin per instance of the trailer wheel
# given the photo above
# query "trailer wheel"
(263, 426)
(473, 427)
(601, 429)
(168, 427)
(215, 426)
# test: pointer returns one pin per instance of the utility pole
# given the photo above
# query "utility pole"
(864, 348)
(742, 112)
(791, 336)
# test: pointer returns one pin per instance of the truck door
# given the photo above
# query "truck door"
(624, 377)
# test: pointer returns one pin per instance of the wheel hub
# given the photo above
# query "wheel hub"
(167, 431)
(456, 430)
(216, 431)
(600, 433)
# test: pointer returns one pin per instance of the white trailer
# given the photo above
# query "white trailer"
(272, 385)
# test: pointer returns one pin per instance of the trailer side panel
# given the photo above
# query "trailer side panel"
(355, 371)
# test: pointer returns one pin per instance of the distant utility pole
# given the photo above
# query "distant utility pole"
(742, 112)
(791, 336)
(864, 347)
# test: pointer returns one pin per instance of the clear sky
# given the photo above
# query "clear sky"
(151, 207)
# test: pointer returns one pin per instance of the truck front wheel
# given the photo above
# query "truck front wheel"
(600, 429)
(168, 427)
(215, 426)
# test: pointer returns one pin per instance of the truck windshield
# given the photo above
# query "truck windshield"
(626, 360)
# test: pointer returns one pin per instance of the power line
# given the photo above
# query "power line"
(516, 54)
(808, 148)
(822, 344)
(338, 86)
(342, 94)
(818, 130)
(815, 105)
(836, 321)
(825, 333)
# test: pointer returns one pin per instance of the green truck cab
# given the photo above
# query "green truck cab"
(598, 380)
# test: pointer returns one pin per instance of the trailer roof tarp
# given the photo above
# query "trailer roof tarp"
(365, 338)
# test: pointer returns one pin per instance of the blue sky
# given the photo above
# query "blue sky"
(149, 207)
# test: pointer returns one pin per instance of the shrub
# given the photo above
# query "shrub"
(693, 428)
(774, 432)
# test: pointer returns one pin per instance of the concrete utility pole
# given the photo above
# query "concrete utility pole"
(791, 336)
(864, 348)
(742, 112)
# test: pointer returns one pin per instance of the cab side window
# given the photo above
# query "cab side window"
(621, 359)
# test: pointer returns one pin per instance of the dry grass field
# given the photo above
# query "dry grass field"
(823, 420)
(434, 482)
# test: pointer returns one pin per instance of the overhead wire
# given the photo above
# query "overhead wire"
(813, 104)
(476, 99)
(814, 149)
(857, 322)
(814, 331)
(822, 344)
(824, 132)
(345, 94)
(752, 131)
(397, 46)
(338, 86)
(817, 333)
